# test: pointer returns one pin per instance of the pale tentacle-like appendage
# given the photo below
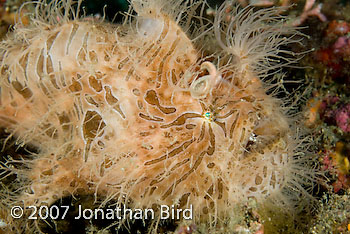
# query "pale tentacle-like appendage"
(203, 86)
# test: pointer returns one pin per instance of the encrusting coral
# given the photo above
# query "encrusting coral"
(145, 112)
